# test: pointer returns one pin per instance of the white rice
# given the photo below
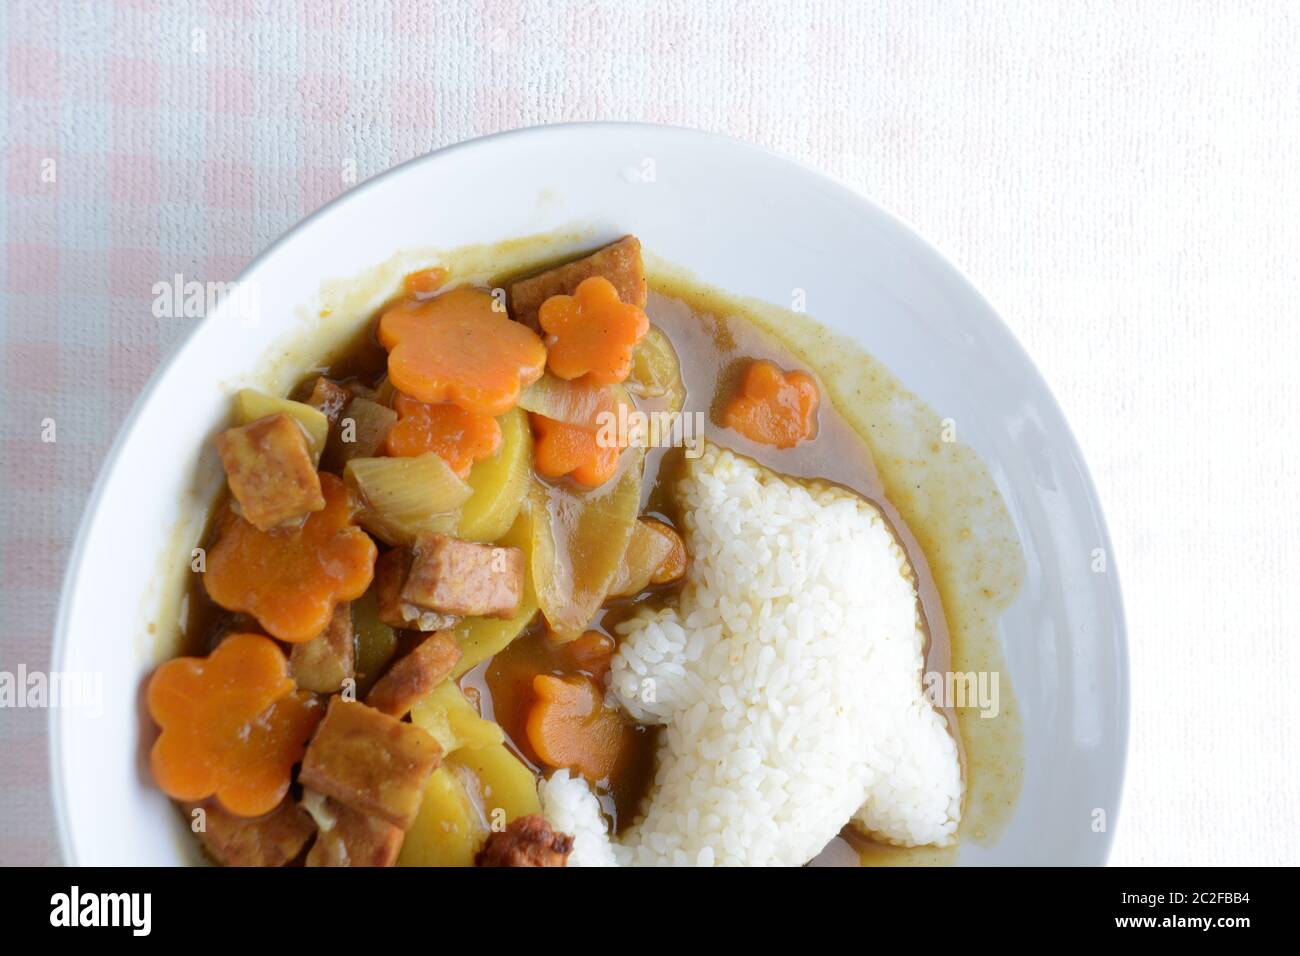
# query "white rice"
(788, 679)
(571, 808)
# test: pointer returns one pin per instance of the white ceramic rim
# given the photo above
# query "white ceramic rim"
(358, 194)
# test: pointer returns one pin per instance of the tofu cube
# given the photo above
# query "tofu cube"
(415, 675)
(329, 398)
(349, 838)
(327, 660)
(272, 840)
(453, 576)
(390, 577)
(270, 471)
(370, 762)
(619, 262)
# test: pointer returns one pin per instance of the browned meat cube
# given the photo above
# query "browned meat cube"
(619, 262)
(271, 840)
(270, 471)
(329, 398)
(327, 660)
(454, 576)
(526, 841)
(349, 838)
(390, 577)
(415, 675)
(369, 761)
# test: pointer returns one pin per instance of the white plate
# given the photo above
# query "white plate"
(746, 221)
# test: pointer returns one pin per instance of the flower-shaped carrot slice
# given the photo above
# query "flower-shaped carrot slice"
(592, 333)
(458, 348)
(291, 578)
(560, 449)
(774, 407)
(459, 437)
(570, 726)
(232, 725)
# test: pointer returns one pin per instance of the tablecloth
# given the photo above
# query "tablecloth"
(1119, 178)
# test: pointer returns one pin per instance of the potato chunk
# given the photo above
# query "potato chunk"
(619, 262)
(272, 840)
(390, 577)
(327, 660)
(252, 405)
(450, 829)
(655, 555)
(369, 761)
(453, 576)
(270, 471)
(415, 675)
(350, 838)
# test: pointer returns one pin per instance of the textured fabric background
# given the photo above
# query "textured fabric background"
(1120, 179)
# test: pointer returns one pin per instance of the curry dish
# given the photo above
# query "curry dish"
(554, 571)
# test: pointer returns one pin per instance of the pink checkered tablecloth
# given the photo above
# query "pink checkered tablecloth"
(144, 139)
(1119, 178)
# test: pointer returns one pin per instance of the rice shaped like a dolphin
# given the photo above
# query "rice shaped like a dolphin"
(788, 679)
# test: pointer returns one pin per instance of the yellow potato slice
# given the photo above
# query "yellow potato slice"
(498, 484)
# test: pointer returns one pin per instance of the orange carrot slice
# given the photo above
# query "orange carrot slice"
(459, 348)
(291, 578)
(232, 725)
(425, 283)
(592, 653)
(560, 449)
(591, 334)
(569, 726)
(774, 407)
(459, 437)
